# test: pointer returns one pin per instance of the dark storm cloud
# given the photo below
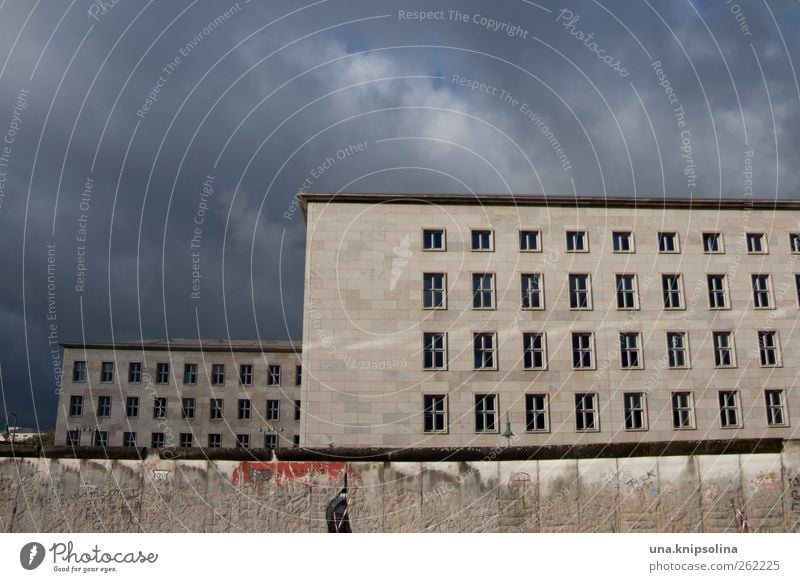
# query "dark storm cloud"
(152, 103)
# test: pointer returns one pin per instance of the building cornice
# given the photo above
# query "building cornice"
(210, 345)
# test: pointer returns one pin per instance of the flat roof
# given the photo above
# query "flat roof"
(549, 200)
(205, 345)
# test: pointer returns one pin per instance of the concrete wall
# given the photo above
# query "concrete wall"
(645, 494)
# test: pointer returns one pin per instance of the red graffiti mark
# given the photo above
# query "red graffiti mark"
(258, 473)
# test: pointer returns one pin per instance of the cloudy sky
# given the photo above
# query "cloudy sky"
(127, 128)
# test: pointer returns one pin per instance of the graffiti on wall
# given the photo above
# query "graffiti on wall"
(303, 472)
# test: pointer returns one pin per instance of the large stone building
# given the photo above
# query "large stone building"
(180, 394)
(444, 320)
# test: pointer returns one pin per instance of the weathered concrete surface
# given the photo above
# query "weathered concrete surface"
(711, 493)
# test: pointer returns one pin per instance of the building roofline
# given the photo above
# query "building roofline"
(205, 345)
(549, 200)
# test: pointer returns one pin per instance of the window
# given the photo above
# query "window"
(483, 348)
(218, 374)
(79, 371)
(728, 413)
(296, 441)
(433, 239)
(433, 290)
(132, 406)
(682, 416)
(482, 291)
(712, 242)
(481, 240)
(536, 413)
(717, 293)
(626, 291)
(577, 241)
(187, 408)
(244, 409)
(629, 350)
(242, 441)
(104, 406)
(157, 440)
(274, 375)
(134, 372)
(723, 349)
(580, 296)
(774, 402)
(297, 410)
(668, 242)
(756, 243)
(298, 375)
(160, 407)
(582, 351)
(73, 438)
(532, 291)
(273, 410)
(214, 441)
(797, 285)
(101, 438)
(162, 373)
(435, 412)
(190, 374)
(107, 372)
(534, 357)
(435, 357)
(246, 374)
(270, 441)
(671, 289)
(761, 294)
(529, 241)
(794, 242)
(677, 354)
(622, 241)
(186, 440)
(215, 411)
(129, 439)
(76, 405)
(635, 417)
(485, 413)
(768, 349)
(585, 412)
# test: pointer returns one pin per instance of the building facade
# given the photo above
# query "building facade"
(181, 394)
(446, 320)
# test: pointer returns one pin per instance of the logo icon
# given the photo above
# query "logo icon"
(31, 555)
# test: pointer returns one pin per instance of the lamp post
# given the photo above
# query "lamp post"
(508, 433)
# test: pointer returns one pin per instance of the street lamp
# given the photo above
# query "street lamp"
(508, 433)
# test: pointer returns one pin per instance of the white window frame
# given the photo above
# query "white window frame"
(587, 290)
(491, 291)
(794, 243)
(767, 291)
(584, 238)
(246, 374)
(636, 350)
(441, 249)
(273, 413)
(274, 373)
(526, 231)
(106, 372)
(472, 247)
(720, 243)
(731, 348)
(523, 277)
(688, 409)
(634, 291)
(217, 374)
(761, 237)
(725, 410)
(189, 374)
(679, 279)
(482, 335)
(434, 414)
(594, 411)
(677, 242)
(770, 406)
(631, 244)
(685, 349)
(244, 409)
(593, 362)
(526, 350)
(434, 351)
(724, 291)
(642, 410)
(487, 413)
(433, 290)
(543, 413)
(776, 348)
